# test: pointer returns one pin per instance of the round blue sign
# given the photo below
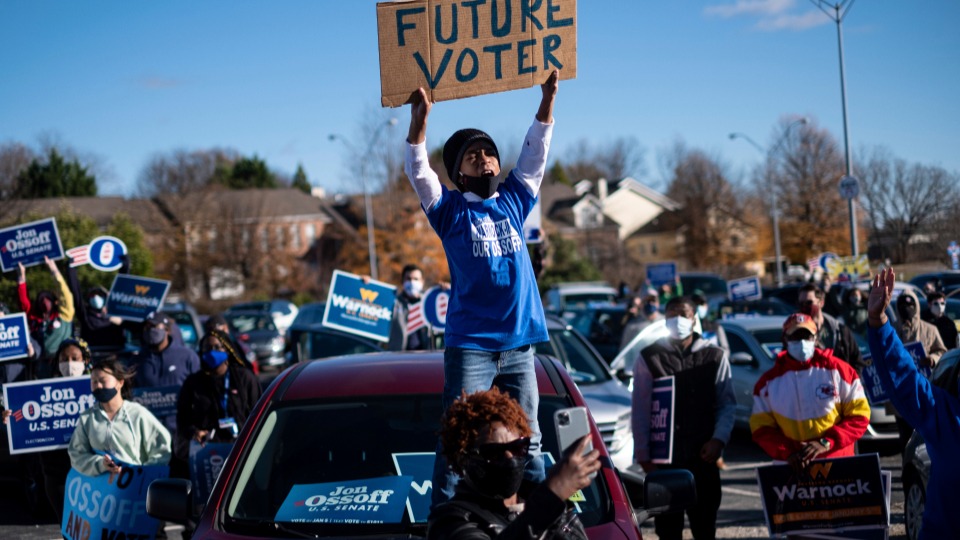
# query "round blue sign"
(435, 307)
(106, 253)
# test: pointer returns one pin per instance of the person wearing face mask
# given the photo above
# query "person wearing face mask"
(810, 404)
(162, 362)
(937, 316)
(833, 335)
(50, 317)
(647, 312)
(494, 315)
(854, 311)
(486, 437)
(703, 417)
(410, 293)
(707, 326)
(116, 430)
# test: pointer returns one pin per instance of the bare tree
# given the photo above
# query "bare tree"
(903, 200)
(182, 172)
(14, 157)
(617, 159)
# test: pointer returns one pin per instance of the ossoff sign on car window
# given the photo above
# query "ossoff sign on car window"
(455, 49)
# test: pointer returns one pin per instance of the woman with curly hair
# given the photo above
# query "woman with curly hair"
(486, 439)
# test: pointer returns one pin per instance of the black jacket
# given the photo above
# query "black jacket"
(200, 403)
(471, 515)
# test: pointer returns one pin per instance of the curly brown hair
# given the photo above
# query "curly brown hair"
(465, 419)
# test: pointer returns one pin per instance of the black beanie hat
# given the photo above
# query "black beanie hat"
(457, 144)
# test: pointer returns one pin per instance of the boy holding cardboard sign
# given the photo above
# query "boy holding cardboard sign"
(494, 315)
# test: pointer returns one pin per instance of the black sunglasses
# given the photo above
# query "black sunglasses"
(496, 451)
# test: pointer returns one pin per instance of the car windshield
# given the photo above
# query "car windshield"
(708, 285)
(250, 322)
(327, 344)
(770, 340)
(583, 364)
(582, 300)
(287, 470)
(189, 332)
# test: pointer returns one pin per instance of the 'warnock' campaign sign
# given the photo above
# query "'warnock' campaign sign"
(44, 413)
(360, 308)
(29, 243)
(455, 49)
(132, 298)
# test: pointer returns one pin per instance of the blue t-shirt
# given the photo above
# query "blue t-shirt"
(494, 302)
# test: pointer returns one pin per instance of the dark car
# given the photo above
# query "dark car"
(371, 418)
(916, 461)
(187, 319)
(712, 286)
(763, 307)
(258, 331)
(317, 341)
(283, 311)
(309, 316)
(947, 281)
(602, 326)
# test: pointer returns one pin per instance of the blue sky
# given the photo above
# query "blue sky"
(122, 81)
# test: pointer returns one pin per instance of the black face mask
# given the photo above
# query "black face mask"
(104, 395)
(497, 479)
(482, 186)
(907, 311)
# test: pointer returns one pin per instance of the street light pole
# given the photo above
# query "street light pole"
(837, 17)
(773, 192)
(367, 203)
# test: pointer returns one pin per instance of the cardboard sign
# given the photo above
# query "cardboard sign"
(833, 494)
(45, 412)
(160, 401)
(29, 243)
(110, 505)
(745, 289)
(455, 49)
(14, 337)
(105, 253)
(661, 420)
(364, 309)
(132, 298)
(662, 273)
(371, 500)
(206, 462)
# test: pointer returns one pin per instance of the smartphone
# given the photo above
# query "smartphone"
(572, 424)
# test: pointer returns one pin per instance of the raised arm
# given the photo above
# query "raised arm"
(549, 89)
(417, 162)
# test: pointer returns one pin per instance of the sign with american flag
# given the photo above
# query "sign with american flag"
(105, 253)
(430, 311)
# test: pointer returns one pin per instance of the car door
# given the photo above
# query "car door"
(745, 373)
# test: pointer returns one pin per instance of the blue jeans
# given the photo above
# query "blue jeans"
(470, 370)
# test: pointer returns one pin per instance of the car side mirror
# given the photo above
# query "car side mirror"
(743, 359)
(624, 377)
(659, 491)
(170, 499)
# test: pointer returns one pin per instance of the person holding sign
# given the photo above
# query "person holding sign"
(494, 316)
(933, 411)
(486, 437)
(810, 404)
(50, 317)
(117, 430)
(412, 292)
(703, 419)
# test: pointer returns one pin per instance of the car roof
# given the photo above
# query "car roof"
(371, 374)
(584, 286)
(750, 324)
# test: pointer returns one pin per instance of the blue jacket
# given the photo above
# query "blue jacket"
(169, 367)
(935, 414)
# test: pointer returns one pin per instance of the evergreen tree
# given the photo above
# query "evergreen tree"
(300, 180)
(245, 173)
(55, 178)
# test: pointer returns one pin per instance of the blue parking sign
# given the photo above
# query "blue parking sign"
(358, 307)
(661, 273)
(29, 243)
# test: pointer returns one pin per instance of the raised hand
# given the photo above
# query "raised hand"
(420, 106)
(880, 294)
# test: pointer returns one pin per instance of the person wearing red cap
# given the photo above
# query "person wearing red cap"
(810, 404)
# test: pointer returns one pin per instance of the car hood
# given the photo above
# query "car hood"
(607, 401)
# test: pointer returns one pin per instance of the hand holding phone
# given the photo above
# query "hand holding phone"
(572, 425)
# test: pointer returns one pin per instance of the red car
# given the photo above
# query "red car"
(374, 418)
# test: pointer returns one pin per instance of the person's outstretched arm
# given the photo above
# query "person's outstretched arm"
(532, 162)
(417, 162)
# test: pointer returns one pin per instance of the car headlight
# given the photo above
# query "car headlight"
(277, 343)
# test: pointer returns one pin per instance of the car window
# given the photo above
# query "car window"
(737, 344)
(398, 438)
(707, 284)
(582, 300)
(770, 339)
(309, 314)
(325, 344)
(253, 322)
(585, 366)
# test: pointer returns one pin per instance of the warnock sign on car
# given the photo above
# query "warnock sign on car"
(455, 49)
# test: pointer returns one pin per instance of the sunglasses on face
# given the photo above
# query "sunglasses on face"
(496, 451)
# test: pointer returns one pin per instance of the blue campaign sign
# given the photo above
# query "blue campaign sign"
(371, 500)
(825, 258)
(364, 309)
(919, 354)
(747, 288)
(29, 243)
(661, 420)
(161, 400)
(105, 253)
(132, 298)
(206, 461)
(661, 273)
(110, 505)
(834, 494)
(44, 412)
(871, 383)
(435, 308)
(14, 337)
(418, 466)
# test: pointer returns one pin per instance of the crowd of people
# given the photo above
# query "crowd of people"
(71, 339)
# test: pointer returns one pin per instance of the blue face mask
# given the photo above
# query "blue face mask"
(213, 359)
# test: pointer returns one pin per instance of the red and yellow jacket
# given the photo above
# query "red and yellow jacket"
(795, 402)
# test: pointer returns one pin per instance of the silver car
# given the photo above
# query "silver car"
(607, 398)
